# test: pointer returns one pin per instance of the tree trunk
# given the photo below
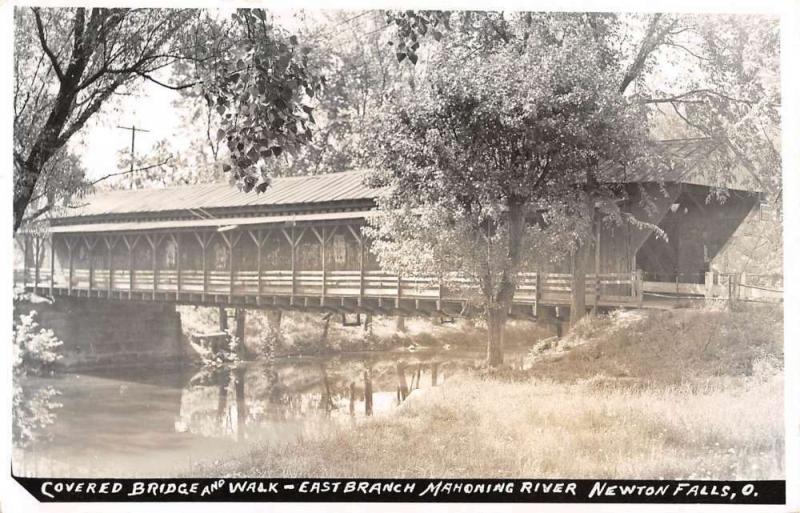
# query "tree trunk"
(577, 307)
(495, 326)
(499, 303)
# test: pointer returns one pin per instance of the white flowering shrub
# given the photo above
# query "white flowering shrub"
(36, 350)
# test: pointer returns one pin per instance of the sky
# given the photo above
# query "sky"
(149, 107)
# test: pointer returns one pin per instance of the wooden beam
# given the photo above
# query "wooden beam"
(70, 244)
(399, 291)
(293, 241)
(597, 265)
(154, 241)
(176, 239)
(361, 271)
(37, 244)
(90, 247)
(355, 233)
(321, 239)
(203, 241)
(260, 238)
(111, 243)
(131, 244)
(231, 243)
(25, 243)
(52, 263)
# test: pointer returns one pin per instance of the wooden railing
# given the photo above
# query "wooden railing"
(606, 289)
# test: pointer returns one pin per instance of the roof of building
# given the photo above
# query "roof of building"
(303, 194)
(698, 161)
(283, 192)
(233, 222)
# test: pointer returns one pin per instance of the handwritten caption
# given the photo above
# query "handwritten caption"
(431, 489)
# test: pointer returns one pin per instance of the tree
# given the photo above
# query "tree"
(69, 63)
(349, 49)
(726, 90)
(488, 162)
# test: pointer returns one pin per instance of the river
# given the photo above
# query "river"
(159, 421)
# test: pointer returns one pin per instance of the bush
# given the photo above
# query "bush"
(36, 350)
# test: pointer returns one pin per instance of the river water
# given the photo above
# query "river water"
(150, 421)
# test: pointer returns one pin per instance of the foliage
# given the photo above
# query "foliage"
(35, 351)
(261, 88)
(225, 355)
(491, 160)
(70, 61)
(728, 91)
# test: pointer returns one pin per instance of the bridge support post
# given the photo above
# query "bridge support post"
(241, 318)
(223, 318)
(400, 324)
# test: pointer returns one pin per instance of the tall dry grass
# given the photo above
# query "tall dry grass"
(472, 427)
(663, 395)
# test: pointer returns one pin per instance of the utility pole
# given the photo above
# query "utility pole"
(133, 130)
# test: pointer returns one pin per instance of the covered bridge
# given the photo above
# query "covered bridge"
(299, 245)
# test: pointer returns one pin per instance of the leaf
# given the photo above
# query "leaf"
(412, 57)
(277, 150)
(263, 186)
(400, 56)
(293, 40)
(220, 134)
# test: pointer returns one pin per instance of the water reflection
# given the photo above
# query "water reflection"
(151, 422)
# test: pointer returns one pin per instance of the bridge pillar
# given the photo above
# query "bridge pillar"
(111, 333)
(223, 319)
(401, 323)
(549, 315)
(241, 317)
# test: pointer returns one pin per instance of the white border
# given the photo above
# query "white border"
(13, 498)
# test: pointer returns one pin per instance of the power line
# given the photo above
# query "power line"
(133, 130)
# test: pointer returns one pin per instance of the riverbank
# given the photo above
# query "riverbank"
(658, 395)
(314, 334)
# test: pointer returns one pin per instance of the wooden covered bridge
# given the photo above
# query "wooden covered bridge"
(299, 245)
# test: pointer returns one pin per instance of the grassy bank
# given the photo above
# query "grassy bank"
(616, 404)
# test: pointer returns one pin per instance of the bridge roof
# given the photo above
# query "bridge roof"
(347, 191)
(302, 193)
(698, 161)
